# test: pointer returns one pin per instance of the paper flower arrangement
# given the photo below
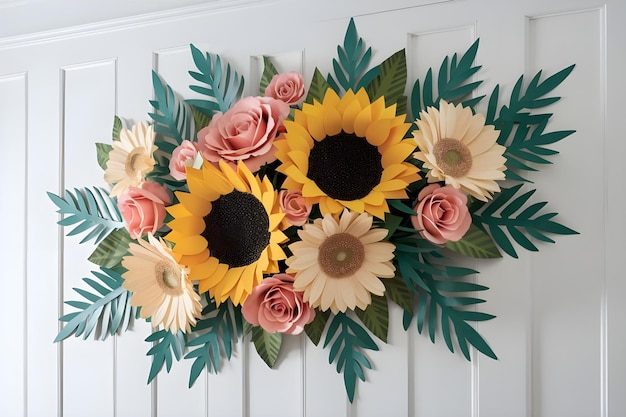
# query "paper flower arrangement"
(309, 209)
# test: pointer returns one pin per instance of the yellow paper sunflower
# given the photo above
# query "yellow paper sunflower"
(131, 158)
(226, 229)
(347, 153)
(457, 147)
(160, 286)
(337, 264)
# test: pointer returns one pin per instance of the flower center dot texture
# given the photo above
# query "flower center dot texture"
(345, 166)
(341, 255)
(453, 157)
(237, 229)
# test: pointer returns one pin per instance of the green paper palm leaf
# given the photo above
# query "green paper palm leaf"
(173, 118)
(353, 61)
(221, 86)
(349, 340)
(452, 83)
(267, 345)
(165, 343)
(221, 324)
(527, 222)
(521, 131)
(434, 306)
(106, 311)
(91, 210)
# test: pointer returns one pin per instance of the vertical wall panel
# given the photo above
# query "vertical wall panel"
(88, 103)
(434, 368)
(13, 90)
(568, 280)
(173, 396)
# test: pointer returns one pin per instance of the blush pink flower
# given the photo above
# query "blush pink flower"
(287, 87)
(245, 132)
(185, 155)
(294, 205)
(442, 214)
(143, 208)
(276, 307)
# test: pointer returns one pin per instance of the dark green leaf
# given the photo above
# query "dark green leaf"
(315, 329)
(267, 345)
(376, 317)
(317, 89)
(102, 154)
(391, 82)
(476, 244)
(269, 70)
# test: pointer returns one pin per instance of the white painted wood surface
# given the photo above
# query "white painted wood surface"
(559, 333)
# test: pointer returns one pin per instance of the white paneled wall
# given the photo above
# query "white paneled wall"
(559, 334)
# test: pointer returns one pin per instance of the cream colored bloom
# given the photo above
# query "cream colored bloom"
(131, 158)
(457, 147)
(160, 286)
(338, 264)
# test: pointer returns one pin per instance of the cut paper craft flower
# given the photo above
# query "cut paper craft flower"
(311, 209)
(160, 286)
(226, 230)
(338, 264)
(458, 148)
(131, 158)
(347, 152)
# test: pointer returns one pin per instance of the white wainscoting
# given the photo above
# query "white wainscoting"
(559, 334)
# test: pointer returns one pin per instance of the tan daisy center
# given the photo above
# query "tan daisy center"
(138, 161)
(168, 277)
(341, 255)
(453, 157)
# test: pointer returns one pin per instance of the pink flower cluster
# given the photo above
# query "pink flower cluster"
(442, 214)
(277, 307)
(143, 208)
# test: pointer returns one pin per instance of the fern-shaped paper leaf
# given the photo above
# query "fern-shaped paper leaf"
(511, 223)
(348, 340)
(165, 345)
(221, 324)
(173, 118)
(221, 85)
(91, 210)
(107, 310)
(452, 83)
(353, 60)
(435, 308)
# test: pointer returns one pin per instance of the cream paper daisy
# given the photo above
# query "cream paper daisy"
(338, 264)
(458, 148)
(131, 158)
(160, 286)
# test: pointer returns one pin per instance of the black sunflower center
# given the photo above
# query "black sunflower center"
(237, 229)
(345, 166)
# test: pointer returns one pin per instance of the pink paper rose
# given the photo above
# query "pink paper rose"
(442, 214)
(287, 86)
(294, 205)
(276, 307)
(245, 132)
(185, 155)
(143, 208)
